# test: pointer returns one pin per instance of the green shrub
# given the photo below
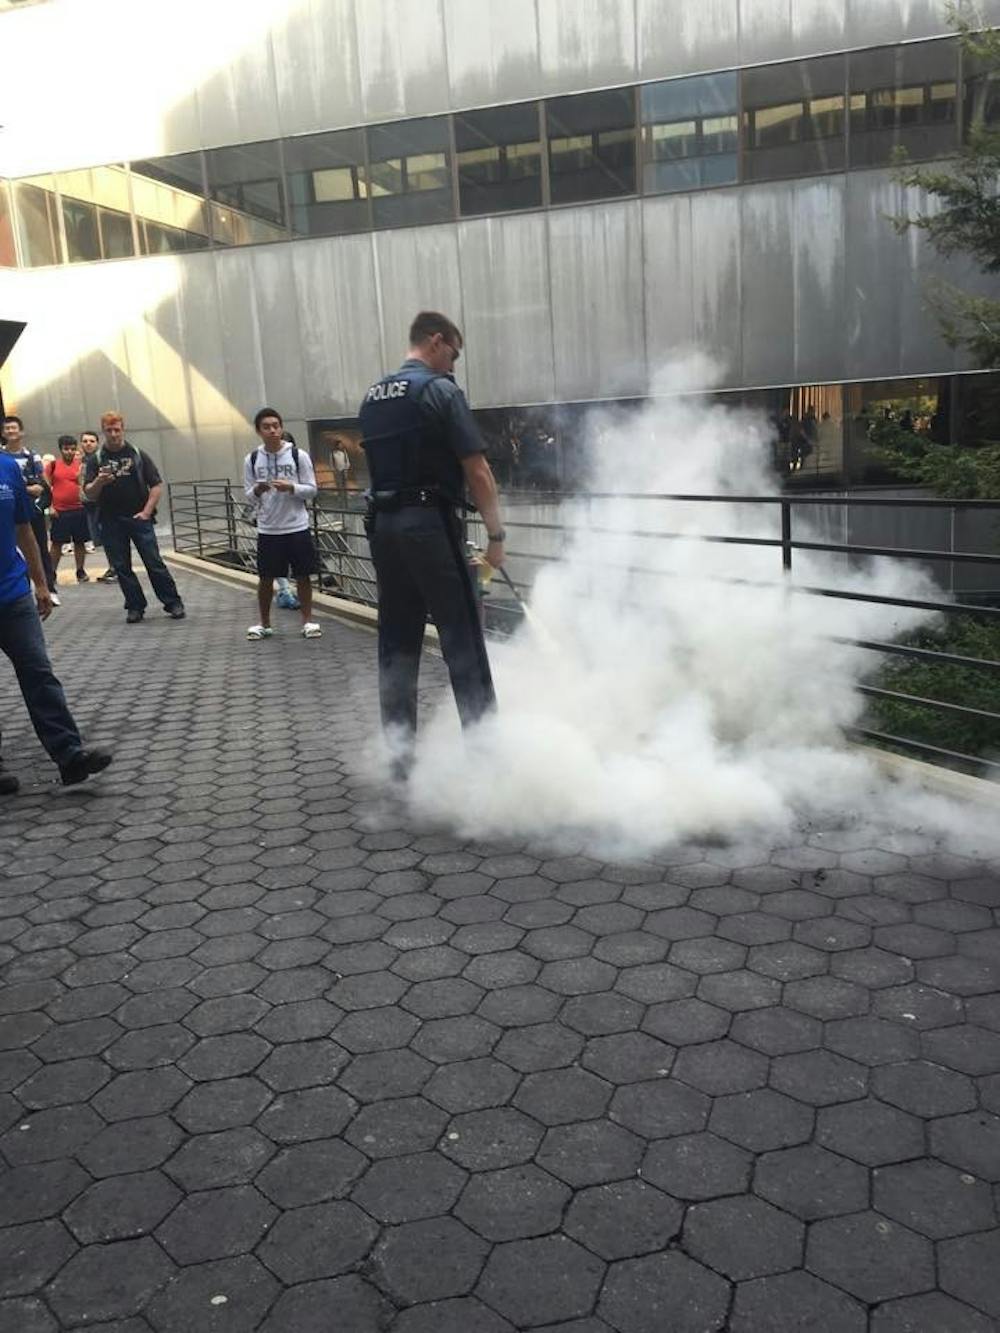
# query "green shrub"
(966, 636)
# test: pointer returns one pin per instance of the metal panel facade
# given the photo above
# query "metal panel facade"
(779, 29)
(796, 281)
(595, 257)
(316, 66)
(586, 43)
(508, 315)
(402, 58)
(492, 51)
(677, 37)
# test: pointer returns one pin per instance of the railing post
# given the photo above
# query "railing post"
(230, 517)
(786, 535)
(173, 521)
(197, 520)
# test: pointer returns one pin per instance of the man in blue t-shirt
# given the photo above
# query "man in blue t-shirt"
(22, 640)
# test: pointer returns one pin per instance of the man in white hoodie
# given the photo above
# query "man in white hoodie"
(279, 481)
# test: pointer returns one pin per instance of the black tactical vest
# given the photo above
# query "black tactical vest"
(406, 447)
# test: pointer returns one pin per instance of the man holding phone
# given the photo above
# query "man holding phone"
(125, 485)
(23, 642)
(279, 481)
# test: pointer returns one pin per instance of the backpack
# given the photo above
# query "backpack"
(295, 460)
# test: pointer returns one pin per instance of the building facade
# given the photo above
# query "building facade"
(245, 201)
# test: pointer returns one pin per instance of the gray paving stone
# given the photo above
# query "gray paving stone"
(743, 1237)
(192, 1300)
(871, 1257)
(934, 1199)
(310, 1173)
(407, 1189)
(428, 1261)
(809, 1182)
(660, 1291)
(930, 1313)
(489, 1140)
(792, 1302)
(551, 1278)
(209, 1161)
(970, 1142)
(307, 1308)
(624, 1219)
(109, 1281)
(318, 1241)
(590, 1153)
(514, 1203)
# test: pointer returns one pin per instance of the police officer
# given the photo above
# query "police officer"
(424, 450)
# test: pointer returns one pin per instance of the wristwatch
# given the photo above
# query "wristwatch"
(500, 536)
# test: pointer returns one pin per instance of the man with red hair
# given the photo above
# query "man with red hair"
(125, 484)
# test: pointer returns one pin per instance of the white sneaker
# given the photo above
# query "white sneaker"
(54, 599)
(89, 547)
(67, 548)
(256, 632)
(310, 630)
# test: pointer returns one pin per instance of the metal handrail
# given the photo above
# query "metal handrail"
(209, 516)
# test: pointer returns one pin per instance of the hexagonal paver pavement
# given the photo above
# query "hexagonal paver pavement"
(271, 1049)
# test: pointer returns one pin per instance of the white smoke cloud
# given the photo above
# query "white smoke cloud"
(654, 707)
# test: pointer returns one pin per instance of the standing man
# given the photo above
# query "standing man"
(22, 640)
(33, 476)
(126, 486)
(341, 467)
(279, 481)
(90, 442)
(69, 519)
(423, 450)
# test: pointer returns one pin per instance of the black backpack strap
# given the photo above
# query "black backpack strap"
(253, 462)
(295, 460)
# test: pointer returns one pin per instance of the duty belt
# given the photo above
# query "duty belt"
(387, 501)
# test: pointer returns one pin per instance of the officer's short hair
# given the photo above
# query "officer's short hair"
(67, 439)
(264, 413)
(13, 418)
(429, 322)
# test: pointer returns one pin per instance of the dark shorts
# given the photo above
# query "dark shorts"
(70, 526)
(279, 553)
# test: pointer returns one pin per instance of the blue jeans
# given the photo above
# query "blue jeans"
(21, 638)
(119, 534)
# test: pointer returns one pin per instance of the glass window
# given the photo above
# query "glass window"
(904, 97)
(409, 172)
(499, 159)
(8, 255)
(690, 133)
(95, 202)
(591, 145)
(981, 93)
(37, 222)
(793, 118)
(168, 195)
(249, 198)
(326, 183)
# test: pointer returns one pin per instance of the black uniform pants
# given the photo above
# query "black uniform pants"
(421, 569)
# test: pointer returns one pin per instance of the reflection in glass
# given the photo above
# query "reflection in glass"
(794, 118)
(591, 140)
(903, 97)
(499, 159)
(249, 200)
(8, 254)
(95, 207)
(326, 186)
(409, 172)
(690, 131)
(169, 198)
(37, 221)
(981, 94)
